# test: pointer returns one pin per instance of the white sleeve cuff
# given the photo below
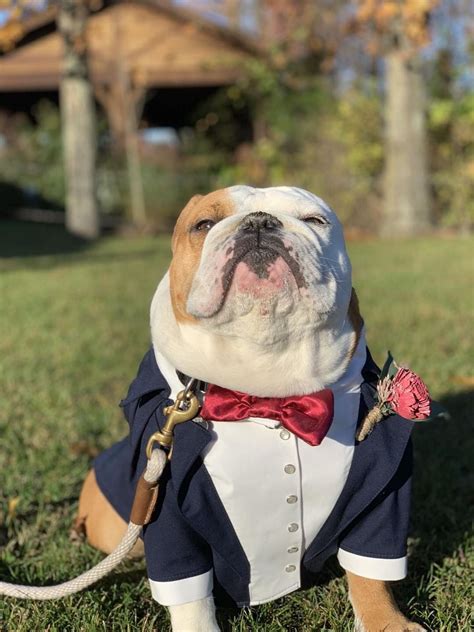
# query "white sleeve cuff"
(373, 567)
(182, 590)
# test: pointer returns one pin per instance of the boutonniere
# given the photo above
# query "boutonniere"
(400, 392)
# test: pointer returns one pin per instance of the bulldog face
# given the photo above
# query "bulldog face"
(259, 283)
(261, 264)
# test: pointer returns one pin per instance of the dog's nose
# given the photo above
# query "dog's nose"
(255, 222)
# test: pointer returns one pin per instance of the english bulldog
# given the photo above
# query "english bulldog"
(269, 480)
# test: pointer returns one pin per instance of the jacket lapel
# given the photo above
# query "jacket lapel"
(374, 464)
(199, 500)
(190, 439)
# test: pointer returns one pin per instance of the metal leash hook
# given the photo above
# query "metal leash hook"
(185, 408)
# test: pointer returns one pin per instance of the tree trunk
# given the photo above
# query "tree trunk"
(135, 181)
(123, 105)
(78, 124)
(407, 207)
(131, 100)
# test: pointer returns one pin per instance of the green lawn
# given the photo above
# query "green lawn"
(74, 325)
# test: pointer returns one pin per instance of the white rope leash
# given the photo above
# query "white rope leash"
(152, 474)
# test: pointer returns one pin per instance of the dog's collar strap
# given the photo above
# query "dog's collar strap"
(200, 388)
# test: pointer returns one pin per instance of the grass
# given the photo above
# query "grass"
(74, 325)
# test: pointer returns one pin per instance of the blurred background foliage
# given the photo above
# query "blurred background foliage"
(305, 133)
(310, 108)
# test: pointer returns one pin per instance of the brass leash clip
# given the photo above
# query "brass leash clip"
(185, 407)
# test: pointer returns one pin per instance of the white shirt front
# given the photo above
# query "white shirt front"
(278, 491)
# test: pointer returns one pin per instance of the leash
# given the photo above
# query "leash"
(185, 408)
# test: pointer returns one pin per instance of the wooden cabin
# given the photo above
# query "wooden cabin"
(147, 44)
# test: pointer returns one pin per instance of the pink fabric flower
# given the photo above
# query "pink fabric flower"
(409, 396)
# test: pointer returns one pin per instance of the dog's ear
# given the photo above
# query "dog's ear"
(190, 205)
(193, 201)
(354, 314)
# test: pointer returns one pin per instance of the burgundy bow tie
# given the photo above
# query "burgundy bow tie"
(308, 416)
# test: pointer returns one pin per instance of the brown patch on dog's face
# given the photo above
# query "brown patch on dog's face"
(187, 243)
(356, 319)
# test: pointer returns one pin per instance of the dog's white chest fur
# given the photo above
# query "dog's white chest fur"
(276, 489)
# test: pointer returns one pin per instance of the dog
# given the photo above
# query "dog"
(258, 305)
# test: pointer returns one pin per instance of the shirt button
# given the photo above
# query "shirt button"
(293, 549)
(285, 435)
(290, 568)
(290, 469)
(291, 499)
(293, 527)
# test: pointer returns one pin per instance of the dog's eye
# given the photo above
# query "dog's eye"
(316, 219)
(204, 224)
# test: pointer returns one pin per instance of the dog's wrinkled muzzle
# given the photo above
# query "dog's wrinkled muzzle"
(259, 244)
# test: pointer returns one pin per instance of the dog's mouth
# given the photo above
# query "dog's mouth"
(260, 262)
(263, 263)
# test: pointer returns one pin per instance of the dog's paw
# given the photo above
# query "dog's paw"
(400, 625)
(407, 626)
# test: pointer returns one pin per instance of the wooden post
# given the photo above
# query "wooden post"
(131, 103)
(78, 123)
(123, 103)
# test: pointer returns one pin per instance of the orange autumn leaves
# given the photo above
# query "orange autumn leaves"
(15, 12)
(394, 19)
(21, 16)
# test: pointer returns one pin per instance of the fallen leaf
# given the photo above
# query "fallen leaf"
(77, 534)
(12, 505)
(464, 380)
(83, 447)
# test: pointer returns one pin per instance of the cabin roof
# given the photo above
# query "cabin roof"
(160, 46)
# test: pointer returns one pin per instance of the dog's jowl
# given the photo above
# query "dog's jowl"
(269, 480)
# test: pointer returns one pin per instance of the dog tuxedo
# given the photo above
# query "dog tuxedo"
(258, 305)
(249, 506)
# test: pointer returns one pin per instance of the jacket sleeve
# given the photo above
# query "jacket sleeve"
(374, 546)
(179, 561)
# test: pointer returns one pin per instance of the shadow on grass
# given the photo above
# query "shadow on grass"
(29, 239)
(442, 509)
(443, 482)
(25, 245)
(131, 576)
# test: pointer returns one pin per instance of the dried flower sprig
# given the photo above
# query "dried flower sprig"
(402, 392)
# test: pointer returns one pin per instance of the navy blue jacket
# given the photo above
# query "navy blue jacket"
(191, 532)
